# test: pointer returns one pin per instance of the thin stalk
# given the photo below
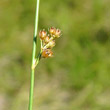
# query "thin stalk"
(34, 56)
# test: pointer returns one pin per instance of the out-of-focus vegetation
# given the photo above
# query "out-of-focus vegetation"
(78, 77)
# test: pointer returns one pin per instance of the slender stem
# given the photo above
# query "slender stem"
(34, 56)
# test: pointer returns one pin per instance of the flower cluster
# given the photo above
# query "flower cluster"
(48, 41)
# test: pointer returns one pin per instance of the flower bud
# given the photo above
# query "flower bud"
(47, 53)
(52, 30)
(42, 34)
(57, 33)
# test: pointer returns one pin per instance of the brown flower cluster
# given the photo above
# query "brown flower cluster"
(48, 41)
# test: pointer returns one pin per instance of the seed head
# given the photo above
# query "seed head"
(48, 41)
(47, 53)
(42, 34)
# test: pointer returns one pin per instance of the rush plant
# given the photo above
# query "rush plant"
(47, 40)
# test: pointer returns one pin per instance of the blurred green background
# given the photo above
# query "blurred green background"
(77, 77)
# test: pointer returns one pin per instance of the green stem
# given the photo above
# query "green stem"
(34, 56)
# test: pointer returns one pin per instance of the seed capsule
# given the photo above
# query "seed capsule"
(46, 40)
(42, 34)
(57, 33)
(52, 30)
(51, 44)
(47, 53)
